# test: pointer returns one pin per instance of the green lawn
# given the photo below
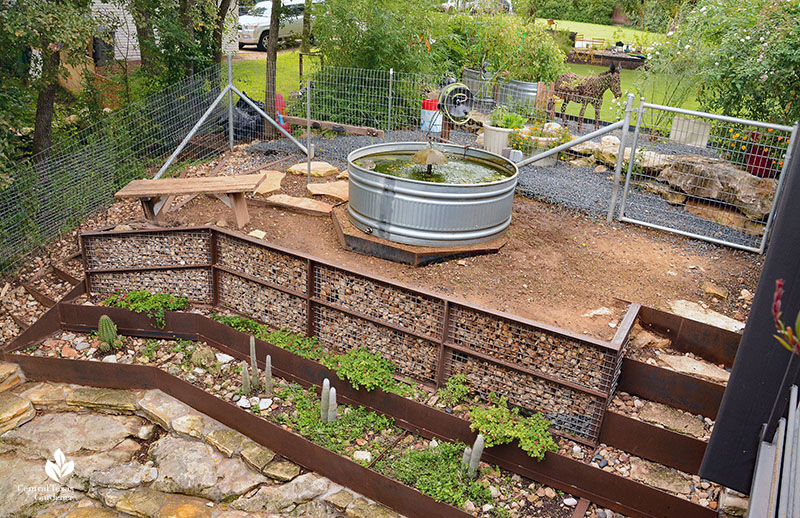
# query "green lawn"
(249, 76)
(627, 82)
(607, 32)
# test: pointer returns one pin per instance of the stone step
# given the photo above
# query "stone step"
(339, 190)
(271, 183)
(305, 205)
(14, 411)
(10, 376)
(318, 169)
(692, 367)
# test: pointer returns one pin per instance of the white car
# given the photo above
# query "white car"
(254, 27)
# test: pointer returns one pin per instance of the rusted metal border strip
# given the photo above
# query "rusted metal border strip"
(710, 343)
(340, 470)
(653, 443)
(562, 472)
(671, 388)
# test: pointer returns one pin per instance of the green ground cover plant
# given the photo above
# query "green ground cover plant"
(155, 305)
(500, 424)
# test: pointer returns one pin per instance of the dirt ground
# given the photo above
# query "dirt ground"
(555, 268)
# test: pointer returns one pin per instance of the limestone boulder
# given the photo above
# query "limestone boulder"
(14, 411)
(195, 468)
(719, 180)
(279, 498)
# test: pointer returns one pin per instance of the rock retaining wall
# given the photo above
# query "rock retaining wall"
(568, 377)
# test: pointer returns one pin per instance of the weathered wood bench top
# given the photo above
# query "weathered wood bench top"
(154, 194)
(179, 186)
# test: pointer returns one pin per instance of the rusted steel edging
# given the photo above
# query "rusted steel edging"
(562, 472)
(711, 343)
(688, 393)
(660, 445)
(340, 470)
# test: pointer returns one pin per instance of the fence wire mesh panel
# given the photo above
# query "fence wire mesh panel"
(52, 192)
(706, 176)
(428, 337)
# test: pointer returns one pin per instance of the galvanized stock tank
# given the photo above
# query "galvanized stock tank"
(425, 213)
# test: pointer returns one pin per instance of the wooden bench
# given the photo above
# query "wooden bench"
(229, 189)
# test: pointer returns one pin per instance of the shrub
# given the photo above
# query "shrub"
(455, 390)
(362, 369)
(502, 117)
(500, 424)
(153, 304)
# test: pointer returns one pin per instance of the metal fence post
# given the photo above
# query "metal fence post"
(779, 189)
(308, 131)
(230, 102)
(620, 158)
(634, 144)
(389, 118)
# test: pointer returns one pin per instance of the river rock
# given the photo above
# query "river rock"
(719, 180)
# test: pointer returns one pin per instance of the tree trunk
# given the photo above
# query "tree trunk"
(144, 33)
(272, 58)
(185, 16)
(45, 101)
(219, 28)
(306, 45)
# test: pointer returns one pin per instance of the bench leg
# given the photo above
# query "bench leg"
(239, 206)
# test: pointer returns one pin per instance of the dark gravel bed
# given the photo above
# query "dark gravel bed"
(581, 189)
(577, 189)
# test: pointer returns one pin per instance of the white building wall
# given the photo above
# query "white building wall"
(126, 44)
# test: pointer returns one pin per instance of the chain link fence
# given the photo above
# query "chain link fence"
(52, 192)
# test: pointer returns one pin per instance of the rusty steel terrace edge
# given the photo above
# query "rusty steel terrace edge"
(606, 489)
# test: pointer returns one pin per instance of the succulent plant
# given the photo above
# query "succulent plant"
(107, 334)
(245, 380)
(253, 364)
(325, 400)
(465, 458)
(268, 375)
(475, 456)
(332, 413)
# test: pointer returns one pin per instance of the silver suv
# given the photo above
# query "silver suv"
(254, 27)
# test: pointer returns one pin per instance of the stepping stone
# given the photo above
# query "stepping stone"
(258, 234)
(50, 395)
(695, 311)
(10, 376)
(161, 408)
(14, 411)
(340, 500)
(142, 502)
(658, 476)
(271, 183)
(318, 169)
(305, 205)
(189, 424)
(363, 509)
(256, 455)
(692, 367)
(282, 470)
(228, 441)
(672, 419)
(339, 190)
(104, 399)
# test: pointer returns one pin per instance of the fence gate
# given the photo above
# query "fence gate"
(705, 176)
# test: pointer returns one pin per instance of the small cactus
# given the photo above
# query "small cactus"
(332, 414)
(253, 364)
(107, 334)
(465, 458)
(268, 375)
(475, 456)
(325, 400)
(245, 380)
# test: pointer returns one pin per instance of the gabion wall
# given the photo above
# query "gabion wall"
(568, 378)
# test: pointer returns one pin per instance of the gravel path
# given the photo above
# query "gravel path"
(573, 188)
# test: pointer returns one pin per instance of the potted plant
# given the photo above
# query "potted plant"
(495, 134)
(532, 140)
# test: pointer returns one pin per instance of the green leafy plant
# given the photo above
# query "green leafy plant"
(240, 323)
(362, 369)
(155, 305)
(352, 422)
(500, 424)
(438, 473)
(297, 344)
(151, 347)
(455, 390)
(502, 117)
